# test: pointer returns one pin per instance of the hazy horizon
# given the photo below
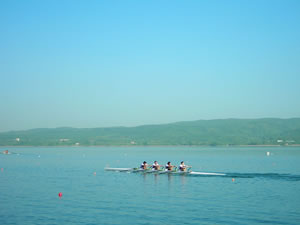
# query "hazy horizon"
(130, 63)
(139, 125)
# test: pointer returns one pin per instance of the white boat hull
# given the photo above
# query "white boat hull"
(118, 169)
(134, 170)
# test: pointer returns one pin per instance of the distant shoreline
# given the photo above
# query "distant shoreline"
(136, 146)
(228, 132)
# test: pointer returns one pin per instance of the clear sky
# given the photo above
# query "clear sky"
(127, 63)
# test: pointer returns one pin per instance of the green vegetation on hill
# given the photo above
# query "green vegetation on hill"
(202, 132)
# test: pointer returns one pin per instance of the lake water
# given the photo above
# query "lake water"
(258, 188)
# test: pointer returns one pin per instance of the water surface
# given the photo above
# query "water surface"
(257, 189)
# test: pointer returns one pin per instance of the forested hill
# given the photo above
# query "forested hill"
(202, 132)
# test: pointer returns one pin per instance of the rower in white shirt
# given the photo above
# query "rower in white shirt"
(183, 167)
(169, 167)
(144, 165)
(155, 166)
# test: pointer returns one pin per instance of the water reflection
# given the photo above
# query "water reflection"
(170, 177)
(156, 178)
(167, 179)
(183, 179)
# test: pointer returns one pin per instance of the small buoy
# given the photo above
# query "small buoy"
(95, 173)
(60, 194)
(233, 179)
(268, 153)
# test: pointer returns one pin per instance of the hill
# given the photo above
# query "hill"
(201, 132)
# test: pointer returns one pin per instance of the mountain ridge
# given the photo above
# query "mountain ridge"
(264, 131)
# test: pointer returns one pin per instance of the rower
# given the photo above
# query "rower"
(183, 167)
(144, 165)
(6, 152)
(155, 166)
(169, 166)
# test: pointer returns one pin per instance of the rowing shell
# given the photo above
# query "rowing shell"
(119, 169)
(133, 170)
(163, 172)
(193, 173)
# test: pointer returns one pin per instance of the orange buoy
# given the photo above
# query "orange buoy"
(60, 194)
(233, 179)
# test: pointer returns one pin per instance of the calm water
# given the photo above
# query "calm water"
(265, 189)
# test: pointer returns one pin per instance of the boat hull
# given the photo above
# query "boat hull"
(136, 170)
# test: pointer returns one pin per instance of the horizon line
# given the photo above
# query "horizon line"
(154, 124)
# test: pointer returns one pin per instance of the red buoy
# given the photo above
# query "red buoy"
(60, 194)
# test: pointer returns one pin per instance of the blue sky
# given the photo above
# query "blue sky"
(128, 63)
